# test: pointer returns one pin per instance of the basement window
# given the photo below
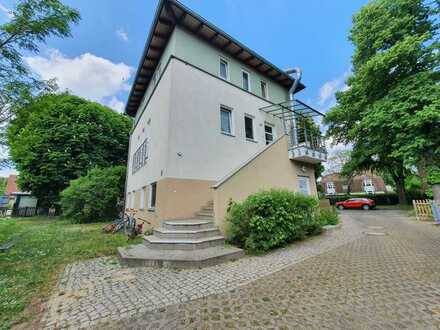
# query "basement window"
(152, 196)
(142, 199)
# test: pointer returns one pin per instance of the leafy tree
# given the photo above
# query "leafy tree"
(94, 197)
(58, 137)
(3, 183)
(31, 23)
(391, 110)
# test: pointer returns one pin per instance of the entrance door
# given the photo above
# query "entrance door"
(304, 185)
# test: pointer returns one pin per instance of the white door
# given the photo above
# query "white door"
(304, 185)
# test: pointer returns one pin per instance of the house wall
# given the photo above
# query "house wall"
(175, 199)
(187, 153)
(197, 147)
(197, 52)
(356, 184)
(270, 169)
(154, 125)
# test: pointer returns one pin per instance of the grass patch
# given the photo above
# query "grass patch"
(28, 271)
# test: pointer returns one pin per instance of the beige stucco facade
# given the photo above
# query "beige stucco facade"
(270, 169)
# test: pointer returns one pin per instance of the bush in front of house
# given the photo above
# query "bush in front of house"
(328, 216)
(94, 197)
(270, 219)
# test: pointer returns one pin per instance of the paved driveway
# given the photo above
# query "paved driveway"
(376, 281)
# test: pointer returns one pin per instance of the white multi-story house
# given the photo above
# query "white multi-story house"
(213, 122)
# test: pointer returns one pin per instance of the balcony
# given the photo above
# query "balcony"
(306, 142)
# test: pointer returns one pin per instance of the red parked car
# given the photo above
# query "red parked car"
(356, 203)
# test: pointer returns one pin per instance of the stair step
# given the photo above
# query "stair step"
(188, 224)
(202, 215)
(141, 256)
(186, 234)
(154, 242)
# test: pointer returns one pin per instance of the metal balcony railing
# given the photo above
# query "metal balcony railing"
(306, 142)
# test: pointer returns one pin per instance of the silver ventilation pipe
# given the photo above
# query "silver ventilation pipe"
(298, 71)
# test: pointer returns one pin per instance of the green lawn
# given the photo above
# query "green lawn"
(29, 270)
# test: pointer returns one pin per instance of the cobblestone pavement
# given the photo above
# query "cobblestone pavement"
(101, 293)
(376, 281)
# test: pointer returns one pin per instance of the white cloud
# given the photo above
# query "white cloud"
(87, 75)
(123, 35)
(116, 104)
(6, 11)
(327, 91)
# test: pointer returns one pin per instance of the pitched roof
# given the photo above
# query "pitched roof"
(170, 13)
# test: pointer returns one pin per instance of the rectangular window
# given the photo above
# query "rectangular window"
(152, 196)
(225, 120)
(140, 156)
(263, 89)
(133, 195)
(142, 202)
(249, 127)
(246, 83)
(304, 185)
(268, 131)
(224, 69)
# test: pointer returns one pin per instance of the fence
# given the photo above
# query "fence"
(423, 209)
(32, 211)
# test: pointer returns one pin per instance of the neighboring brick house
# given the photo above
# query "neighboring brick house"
(11, 186)
(367, 182)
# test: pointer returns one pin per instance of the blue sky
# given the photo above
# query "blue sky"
(100, 59)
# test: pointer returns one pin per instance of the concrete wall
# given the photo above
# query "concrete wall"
(269, 169)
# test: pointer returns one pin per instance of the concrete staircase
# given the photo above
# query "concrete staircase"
(188, 243)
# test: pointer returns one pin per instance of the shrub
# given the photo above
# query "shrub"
(328, 216)
(270, 219)
(94, 197)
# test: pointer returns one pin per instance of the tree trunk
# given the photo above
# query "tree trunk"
(400, 187)
(421, 168)
(436, 192)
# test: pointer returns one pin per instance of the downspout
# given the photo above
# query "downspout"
(293, 135)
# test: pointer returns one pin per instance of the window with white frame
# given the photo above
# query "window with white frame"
(152, 196)
(263, 86)
(246, 84)
(225, 120)
(249, 127)
(133, 195)
(142, 201)
(269, 134)
(140, 156)
(224, 69)
(304, 185)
